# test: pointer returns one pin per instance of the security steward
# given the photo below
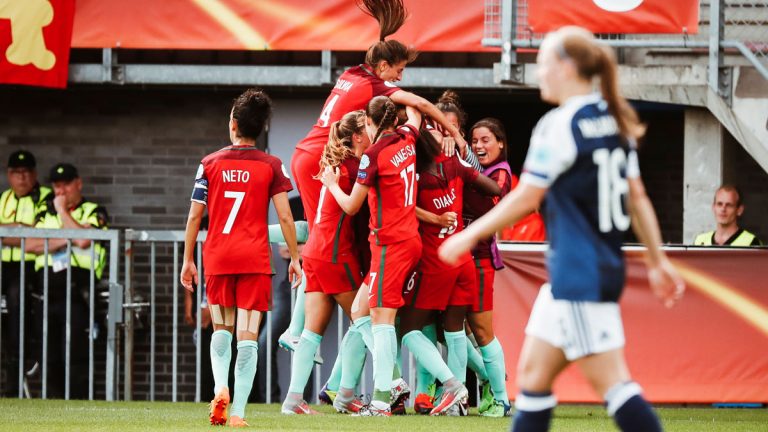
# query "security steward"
(727, 208)
(67, 209)
(19, 207)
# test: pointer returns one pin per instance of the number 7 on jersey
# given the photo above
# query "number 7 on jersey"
(238, 196)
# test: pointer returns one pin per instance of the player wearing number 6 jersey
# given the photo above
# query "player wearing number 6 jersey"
(583, 162)
(387, 176)
(236, 184)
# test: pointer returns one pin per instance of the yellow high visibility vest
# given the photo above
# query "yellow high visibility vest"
(744, 239)
(85, 213)
(24, 211)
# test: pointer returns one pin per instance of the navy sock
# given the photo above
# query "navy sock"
(534, 411)
(630, 410)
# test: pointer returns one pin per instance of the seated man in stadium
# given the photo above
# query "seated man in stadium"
(727, 208)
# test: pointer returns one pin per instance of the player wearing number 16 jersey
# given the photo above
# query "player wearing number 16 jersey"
(236, 184)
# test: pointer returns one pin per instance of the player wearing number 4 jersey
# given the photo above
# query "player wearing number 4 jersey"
(583, 162)
(384, 64)
(236, 184)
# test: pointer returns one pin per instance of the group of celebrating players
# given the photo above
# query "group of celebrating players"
(416, 264)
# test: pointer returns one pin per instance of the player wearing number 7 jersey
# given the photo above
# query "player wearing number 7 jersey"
(387, 176)
(236, 184)
(582, 160)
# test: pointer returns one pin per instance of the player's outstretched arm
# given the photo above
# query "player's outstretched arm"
(285, 217)
(349, 203)
(409, 99)
(523, 200)
(487, 185)
(188, 268)
(665, 282)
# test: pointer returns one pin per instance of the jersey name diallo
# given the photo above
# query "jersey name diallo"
(236, 183)
(440, 191)
(389, 169)
(578, 154)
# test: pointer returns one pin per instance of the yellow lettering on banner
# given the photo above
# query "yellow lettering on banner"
(28, 17)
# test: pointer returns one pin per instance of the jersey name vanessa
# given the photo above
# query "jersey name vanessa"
(403, 154)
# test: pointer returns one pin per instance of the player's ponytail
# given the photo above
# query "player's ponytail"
(595, 59)
(339, 146)
(383, 114)
(391, 15)
(449, 103)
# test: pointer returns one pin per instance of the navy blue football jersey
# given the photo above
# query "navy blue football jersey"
(577, 152)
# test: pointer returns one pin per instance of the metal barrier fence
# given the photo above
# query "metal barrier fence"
(740, 25)
(114, 312)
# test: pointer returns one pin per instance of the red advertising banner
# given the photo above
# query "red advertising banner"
(615, 16)
(35, 38)
(712, 347)
(454, 25)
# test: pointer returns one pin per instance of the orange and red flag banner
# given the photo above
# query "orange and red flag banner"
(453, 25)
(615, 16)
(35, 38)
(712, 347)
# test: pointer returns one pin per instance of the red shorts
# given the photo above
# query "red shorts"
(391, 266)
(329, 278)
(437, 291)
(250, 291)
(485, 276)
(304, 166)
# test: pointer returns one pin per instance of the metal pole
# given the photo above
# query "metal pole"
(22, 309)
(45, 319)
(128, 329)
(115, 317)
(198, 326)
(152, 323)
(68, 326)
(91, 319)
(175, 278)
(269, 357)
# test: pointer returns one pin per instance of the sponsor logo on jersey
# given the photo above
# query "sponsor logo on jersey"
(364, 162)
(403, 154)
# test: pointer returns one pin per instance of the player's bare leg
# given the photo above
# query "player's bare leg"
(609, 376)
(539, 365)
(493, 357)
(223, 319)
(248, 322)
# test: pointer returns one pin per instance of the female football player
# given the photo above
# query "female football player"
(385, 61)
(582, 160)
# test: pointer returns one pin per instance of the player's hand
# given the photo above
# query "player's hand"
(60, 203)
(455, 246)
(449, 146)
(330, 176)
(460, 141)
(447, 219)
(294, 273)
(189, 275)
(666, 282)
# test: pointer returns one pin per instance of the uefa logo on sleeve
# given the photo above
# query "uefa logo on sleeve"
(618, 5)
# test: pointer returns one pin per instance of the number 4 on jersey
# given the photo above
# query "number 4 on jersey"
(325, 116)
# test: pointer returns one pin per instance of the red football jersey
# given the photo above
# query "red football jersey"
(332, 236)
(389, 169)
(477, 204)
(236, 183)
(441, 191)
(354, 88)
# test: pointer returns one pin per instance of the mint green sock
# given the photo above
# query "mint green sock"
(245, 371)
(335, 378)
(475, 362)
(427, 354)
(353, 358)
(275, 232)
(303, 360)
(364, 327)
(297, 317)
(221, 356)
(457, 354)
(493, 357)
(383, 360)
(423, 378)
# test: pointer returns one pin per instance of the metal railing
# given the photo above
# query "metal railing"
(114, 312)
(736, 25)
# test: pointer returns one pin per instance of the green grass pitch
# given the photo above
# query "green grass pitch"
(48, 416)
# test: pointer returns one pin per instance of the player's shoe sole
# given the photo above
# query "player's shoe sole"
(219, 404)
(326, 396)
(371, 411)
(424, 403)
(400, 392)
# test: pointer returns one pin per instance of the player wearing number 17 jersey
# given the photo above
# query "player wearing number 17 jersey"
(236, 184)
